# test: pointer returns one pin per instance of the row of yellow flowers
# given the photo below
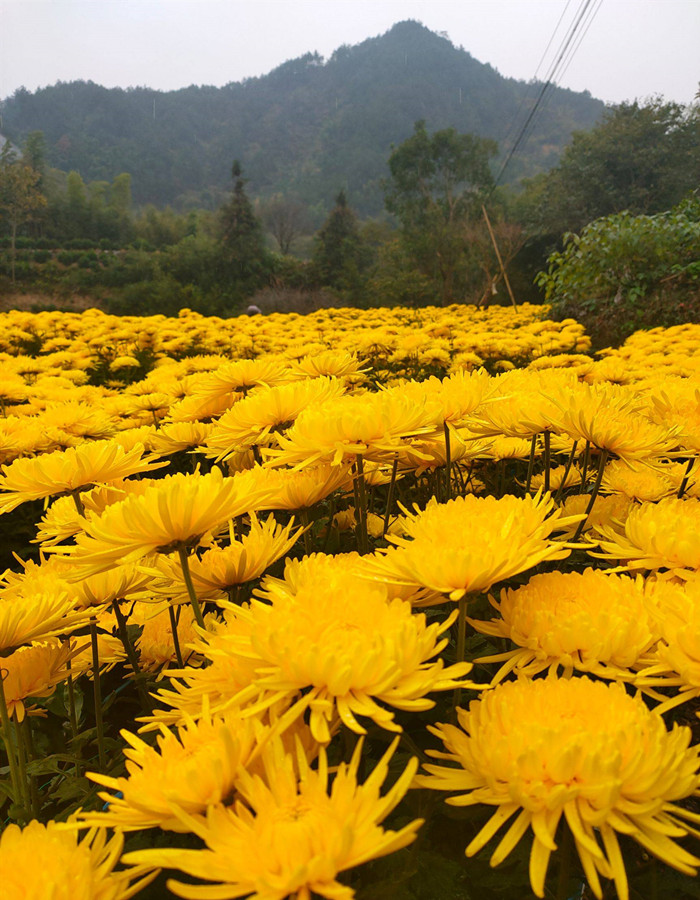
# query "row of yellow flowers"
(169, 500)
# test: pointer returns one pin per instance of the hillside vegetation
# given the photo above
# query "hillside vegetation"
(309, 127)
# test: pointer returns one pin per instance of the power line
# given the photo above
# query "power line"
(566, 62)
(564, 56)
(516, 120)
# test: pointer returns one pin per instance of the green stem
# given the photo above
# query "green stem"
(531, 463)
(547, 458)
(72, 715)
(461, 644)
(567, 469)
(586, 461)
(176, 639)
(187, 575)
(7, 731)
(97, 695)
(594, 493)
(22, 771)
(502, 478)
(686, 478)
(78, 503)
(362, 541)
(390, 497)
(448, 463)
(131, 655)
(329, 526)
(25, 735)
(304, 516)
(565, 855)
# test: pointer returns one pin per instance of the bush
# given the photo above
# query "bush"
(633, 271)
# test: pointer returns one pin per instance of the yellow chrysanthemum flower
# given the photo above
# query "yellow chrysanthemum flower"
(240, 376)
(156, 643)
(469, 543)
(571, 747)
(317, 567)
(348, 657)
(508, 448)
(291, 835)
(611, 418)
(256, 418)
(338, 364)
(523, 404)
(291, 489)
(556, 476)
(639, 481)
(34, 672)
(47, 861)
(192, 769)
(589, 622)
(70, 470)
(35, 616)
(221, 569)
(177, 436)
(675, 660)
(608, 511)
(172, 514)
(661, 535)
(371, 425)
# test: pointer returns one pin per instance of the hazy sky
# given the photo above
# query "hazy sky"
(628, 48)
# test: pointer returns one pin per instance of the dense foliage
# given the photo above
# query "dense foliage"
(309, 128)
(625, 271)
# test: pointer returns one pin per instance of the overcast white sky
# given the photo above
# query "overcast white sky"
(628, 48)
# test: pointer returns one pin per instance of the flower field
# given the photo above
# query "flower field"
(379, 604)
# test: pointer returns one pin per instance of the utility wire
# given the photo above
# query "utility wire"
(548, 80)
(517, 118)
(566, 62)
(566, 51)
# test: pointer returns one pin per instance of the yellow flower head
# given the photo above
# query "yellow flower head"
(573, 747)
(523, 404)
(34, 615)
(661, 535)
(347, 655)
(469, 543)
(640, 482)
(266, 410)
(372, 425)
(220, 569)
(241, 375)
(176, 436)
(339, 364)
(33, 672)
(590, 622)
(174, 513)
(192, 769)
(70, 470)
(608, 511)
(675, 661)
(289, 834)
(611, 418)
(291, 489)
(47, 861)
(156, 644)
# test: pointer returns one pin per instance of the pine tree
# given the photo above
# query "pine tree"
(242, 240)
(339, 253)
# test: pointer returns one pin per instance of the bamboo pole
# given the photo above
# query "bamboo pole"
(498, 255)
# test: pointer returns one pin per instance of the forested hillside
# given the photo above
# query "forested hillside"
(308, 128)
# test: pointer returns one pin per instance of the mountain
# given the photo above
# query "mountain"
(310, 127)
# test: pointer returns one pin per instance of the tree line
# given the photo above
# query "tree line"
(436, 242)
